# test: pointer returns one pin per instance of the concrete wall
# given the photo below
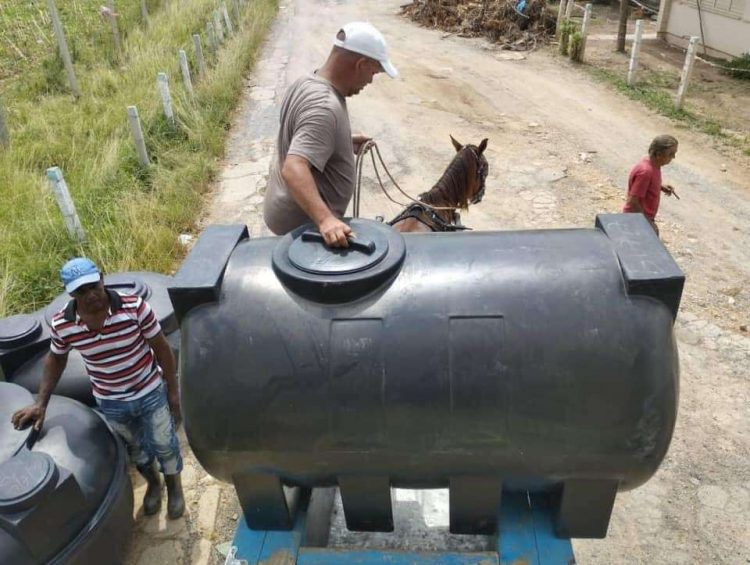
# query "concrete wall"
(726, 36)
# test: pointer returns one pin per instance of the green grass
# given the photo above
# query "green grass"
(27, 40)
(132, 216)
(657, 92)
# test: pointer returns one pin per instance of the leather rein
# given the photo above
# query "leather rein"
(420, 211)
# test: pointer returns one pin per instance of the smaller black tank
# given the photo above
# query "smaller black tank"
(74, 382)
(65, 493)
(22, 337)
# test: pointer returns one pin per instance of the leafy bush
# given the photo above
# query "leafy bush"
(566, 28)
(739, 67)
(576, 47)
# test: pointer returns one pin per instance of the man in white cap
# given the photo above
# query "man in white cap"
(312, 178)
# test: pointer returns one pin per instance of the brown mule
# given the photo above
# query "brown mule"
(461, 184)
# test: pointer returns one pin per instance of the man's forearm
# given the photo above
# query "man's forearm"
(634, 203)
(165, 359)
(301, 183)
(54, 365)
(169, 375)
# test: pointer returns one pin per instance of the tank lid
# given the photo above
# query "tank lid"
(25, 479)
(306, 265)
(18, 330)
(127, 284)
(367, 248)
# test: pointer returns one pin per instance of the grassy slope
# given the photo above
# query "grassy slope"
(132, 216)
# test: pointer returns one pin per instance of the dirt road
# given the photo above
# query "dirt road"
(560, 147)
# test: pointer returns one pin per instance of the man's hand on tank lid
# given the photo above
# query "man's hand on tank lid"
(335, 232)
(31, 415)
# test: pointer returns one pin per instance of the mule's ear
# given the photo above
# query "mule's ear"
(456, 144)
(482, 146)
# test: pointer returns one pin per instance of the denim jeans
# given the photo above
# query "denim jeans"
(147, 428)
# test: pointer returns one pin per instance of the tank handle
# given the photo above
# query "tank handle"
(363, 245)
(199, 279)
(647, 267)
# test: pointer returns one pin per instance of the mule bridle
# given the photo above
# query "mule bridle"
(482, 171)
(416, 208)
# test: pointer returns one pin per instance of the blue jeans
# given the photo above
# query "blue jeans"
(147, 428)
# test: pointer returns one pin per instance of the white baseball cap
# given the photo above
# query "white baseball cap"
(363, 38)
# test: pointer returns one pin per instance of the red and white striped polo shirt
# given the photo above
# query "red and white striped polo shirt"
(119, 360)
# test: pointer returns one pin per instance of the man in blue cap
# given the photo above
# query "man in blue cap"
(132, 372)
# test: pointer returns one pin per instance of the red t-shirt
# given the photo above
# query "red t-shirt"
(645, 183)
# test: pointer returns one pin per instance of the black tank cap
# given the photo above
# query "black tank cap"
(25, 479)
(311, 269)
(127, 284)
(308, 253)
(18, 330)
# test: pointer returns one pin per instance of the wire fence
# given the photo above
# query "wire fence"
(644, 7)
(651, 10)
(722, 67)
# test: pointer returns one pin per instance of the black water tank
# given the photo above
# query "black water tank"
(22, 337)
(482, 362)
(65, 493)
(74, 382)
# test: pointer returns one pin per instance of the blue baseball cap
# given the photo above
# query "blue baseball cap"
(78, 272)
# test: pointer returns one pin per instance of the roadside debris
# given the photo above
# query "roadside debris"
(516, 25)
(186, 239)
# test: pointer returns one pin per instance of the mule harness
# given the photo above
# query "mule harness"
(416, 209)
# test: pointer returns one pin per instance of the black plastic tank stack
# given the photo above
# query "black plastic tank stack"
(74, 382)
(483, 362)
(65, 493)
(22, 337)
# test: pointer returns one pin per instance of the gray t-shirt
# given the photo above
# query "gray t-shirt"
(315, 125)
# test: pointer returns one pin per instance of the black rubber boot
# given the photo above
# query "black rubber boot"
(152, 498)
(175, 500)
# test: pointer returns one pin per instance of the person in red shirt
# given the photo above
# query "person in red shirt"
(644, 184)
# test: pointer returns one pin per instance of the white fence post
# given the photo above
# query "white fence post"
(236, 7)
(4, 135)
(115, 29)
(65, 202)
(635, 50)
(560, 15)
(200, 61)
(585, 28)
(569, 9)
(211, 37)
(687, 70)
(227, 20)
(63, 45)
(140, 143)
(144, 13)
(218, 26)
(186, 73)
(166, 98)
